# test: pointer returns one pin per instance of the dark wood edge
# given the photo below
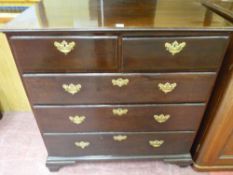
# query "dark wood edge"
(218, 9)
(122, 33)
(184, 29)
(44, 106)
(114, 74)
(183, 157)
(55, 163)
(111, 133)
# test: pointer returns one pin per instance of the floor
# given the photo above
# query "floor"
(22, 153)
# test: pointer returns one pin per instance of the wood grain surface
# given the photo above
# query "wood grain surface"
(55, 119)
(103, 144)
(98, 88)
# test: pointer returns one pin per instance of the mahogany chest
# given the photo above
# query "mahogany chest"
(115, 80)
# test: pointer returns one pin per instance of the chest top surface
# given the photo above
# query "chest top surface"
(118, 15)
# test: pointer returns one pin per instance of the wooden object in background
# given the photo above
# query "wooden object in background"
(213, 149)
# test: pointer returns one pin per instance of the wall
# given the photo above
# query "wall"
(12, 94)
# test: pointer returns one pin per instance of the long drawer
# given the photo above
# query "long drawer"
(118, 88)
(173, 53)
(65, 53)
(121, 144)
(119, 118)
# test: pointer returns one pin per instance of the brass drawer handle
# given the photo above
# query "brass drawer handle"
(64, 46)
(77, 119)
(156, 143)
(119, 138)
(167, 87)
(175, 47)
(72, 88)
(120, 82)
(82, 144)
(119, 111)
(161, 118)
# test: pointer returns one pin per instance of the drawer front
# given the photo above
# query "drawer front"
(75, 54)
(118, 144)
(163, 54)
(118, 118)
(118, 88)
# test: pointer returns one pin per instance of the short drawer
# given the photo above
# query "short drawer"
(119, 144)
(164, 54)
(65, 53)
(119, 118)
(118, 88)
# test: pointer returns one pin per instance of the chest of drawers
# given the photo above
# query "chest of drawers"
(118, 93)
